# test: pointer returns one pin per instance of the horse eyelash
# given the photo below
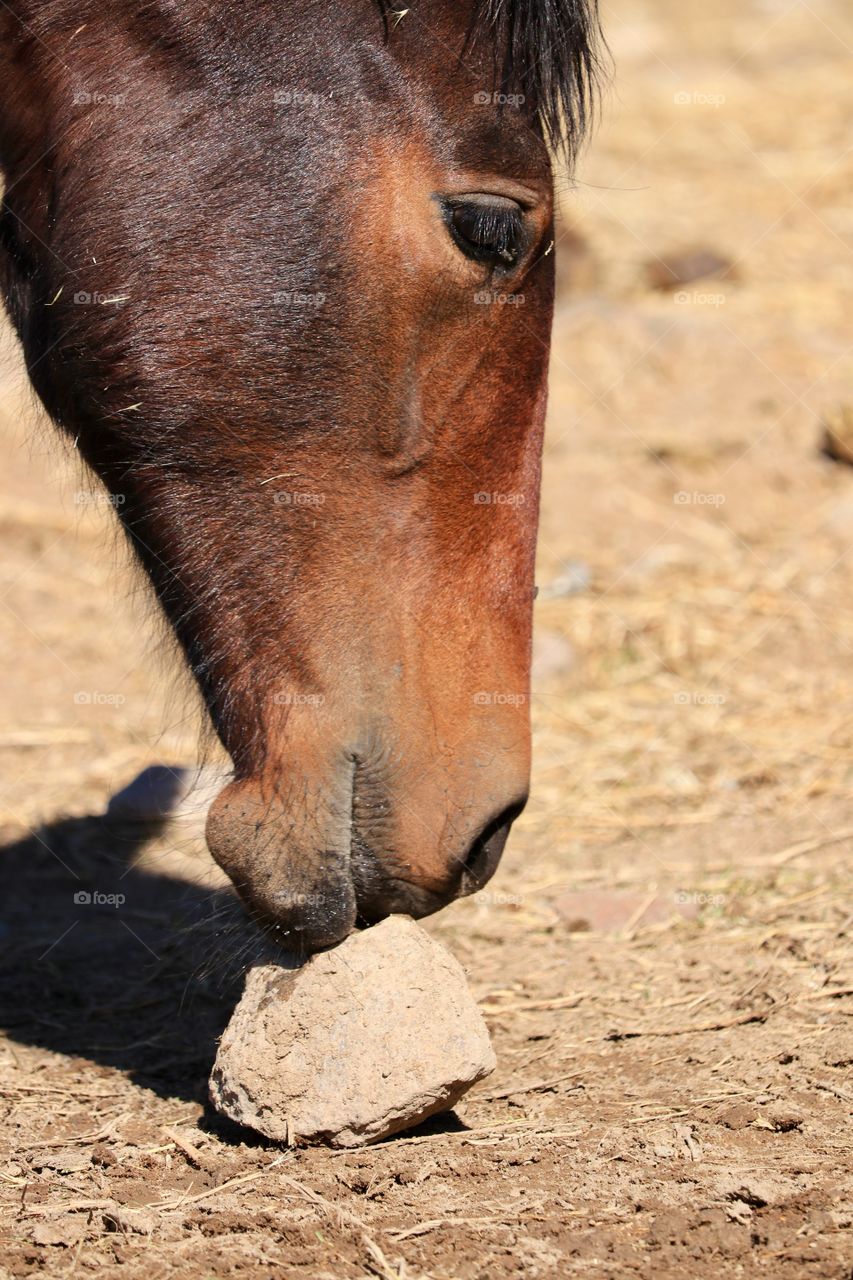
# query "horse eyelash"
(498, 229)
(498, 232)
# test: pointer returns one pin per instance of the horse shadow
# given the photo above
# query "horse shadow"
(117, 963)
(110, 961)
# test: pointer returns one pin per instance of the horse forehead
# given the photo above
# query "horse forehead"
(448, 109)
(299, 80)
(404, 96)
(417, 72)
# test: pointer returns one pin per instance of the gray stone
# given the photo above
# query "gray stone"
(366, 1039)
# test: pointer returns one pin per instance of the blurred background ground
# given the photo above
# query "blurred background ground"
(664, 957)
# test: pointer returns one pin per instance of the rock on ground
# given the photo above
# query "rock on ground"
(365, 1040)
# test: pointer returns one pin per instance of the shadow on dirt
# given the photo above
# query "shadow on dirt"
(114, 963)
(104, 960)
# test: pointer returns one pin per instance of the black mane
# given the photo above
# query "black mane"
(545, 50)
(549, 51)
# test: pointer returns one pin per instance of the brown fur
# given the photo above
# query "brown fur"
(299, 478)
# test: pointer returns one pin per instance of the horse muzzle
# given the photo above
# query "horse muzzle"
(313, 854)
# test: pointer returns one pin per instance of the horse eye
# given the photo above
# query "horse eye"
(488, 229)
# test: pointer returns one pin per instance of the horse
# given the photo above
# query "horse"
(285, 278)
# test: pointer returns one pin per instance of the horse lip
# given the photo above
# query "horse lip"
(328, 920)
(322, 919)
(390, 894)
(381, 887)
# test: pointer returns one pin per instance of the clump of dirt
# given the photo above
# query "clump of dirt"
(366, 1039)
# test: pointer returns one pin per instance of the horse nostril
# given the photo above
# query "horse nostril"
(485, 853)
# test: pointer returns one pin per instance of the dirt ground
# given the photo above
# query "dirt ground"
(664, 958)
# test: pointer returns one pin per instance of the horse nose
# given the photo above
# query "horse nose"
(379, 892)
(311, 864)
(487, 849)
